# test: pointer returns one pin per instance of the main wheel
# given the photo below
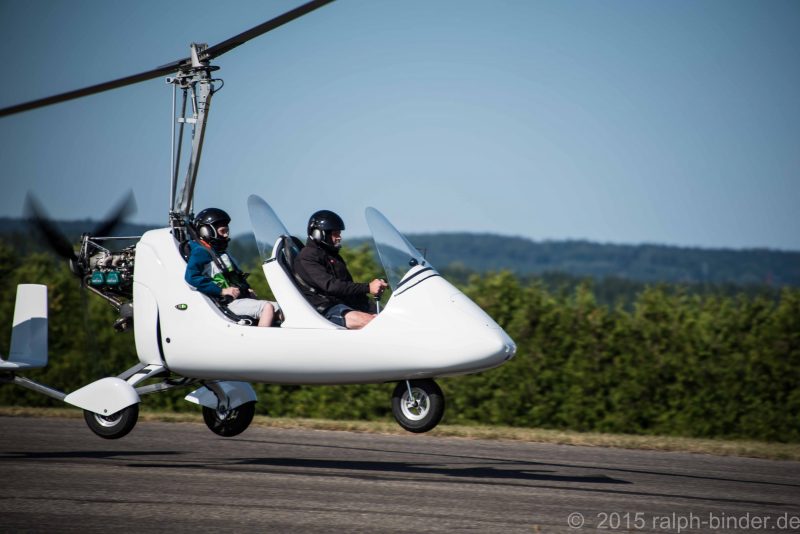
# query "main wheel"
(422, 410)
(113, 426)
(231, 422)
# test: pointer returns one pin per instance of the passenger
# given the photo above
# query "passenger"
(326, 282)
(213, 272)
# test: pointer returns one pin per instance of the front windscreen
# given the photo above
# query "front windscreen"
(267, 227)
(397, 255)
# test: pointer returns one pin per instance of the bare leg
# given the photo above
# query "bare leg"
(355, 320)
(267, 315)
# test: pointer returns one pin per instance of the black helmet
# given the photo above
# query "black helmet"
(320, 226)
(206, 224)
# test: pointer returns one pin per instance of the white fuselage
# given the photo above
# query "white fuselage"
(427, 329)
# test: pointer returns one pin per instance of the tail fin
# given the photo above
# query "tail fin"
(29, 334)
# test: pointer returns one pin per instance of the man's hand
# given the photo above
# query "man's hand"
(231, 292)
(377, 286)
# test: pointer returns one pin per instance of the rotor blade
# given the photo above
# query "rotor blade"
(125, 207)
(93, 89)
(209, 53)
(229, 44)
(57, 240)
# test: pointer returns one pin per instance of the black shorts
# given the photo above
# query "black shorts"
(336, 313)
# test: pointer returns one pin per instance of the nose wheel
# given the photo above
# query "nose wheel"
(418, 405)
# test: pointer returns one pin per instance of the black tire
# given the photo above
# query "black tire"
(425, 412)
(231, 423)
(113, 426)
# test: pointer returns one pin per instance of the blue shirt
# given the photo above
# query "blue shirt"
(198, 271)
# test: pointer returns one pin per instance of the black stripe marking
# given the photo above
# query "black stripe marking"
(402, 282)
(418, 283)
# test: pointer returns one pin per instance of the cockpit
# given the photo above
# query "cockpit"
(403, 264)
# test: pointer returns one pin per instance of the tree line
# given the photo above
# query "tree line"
(462, 254)
(666, 361)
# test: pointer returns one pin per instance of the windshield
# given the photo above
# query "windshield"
(267, 227)
(397, 255)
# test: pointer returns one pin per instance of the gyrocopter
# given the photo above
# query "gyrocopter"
(427, 328)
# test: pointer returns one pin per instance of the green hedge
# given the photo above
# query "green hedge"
(675, 365)
(672, 364)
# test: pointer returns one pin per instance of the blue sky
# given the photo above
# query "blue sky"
(616, 121)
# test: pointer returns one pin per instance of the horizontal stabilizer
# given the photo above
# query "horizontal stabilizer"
(29, 333)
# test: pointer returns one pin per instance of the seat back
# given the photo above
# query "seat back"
(290, 248)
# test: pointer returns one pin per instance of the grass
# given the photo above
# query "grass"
(719, 447)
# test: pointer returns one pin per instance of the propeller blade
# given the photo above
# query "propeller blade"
(123, 209)
(57, 240)
(229, 44)
(209, 53)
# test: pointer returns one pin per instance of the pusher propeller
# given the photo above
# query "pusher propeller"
(38, 217)
(59, 243)
(124, 209)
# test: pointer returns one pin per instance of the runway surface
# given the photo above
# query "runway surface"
(58, 476)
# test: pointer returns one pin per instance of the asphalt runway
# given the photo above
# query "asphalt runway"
(58, 476)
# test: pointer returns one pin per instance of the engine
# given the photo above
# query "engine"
(109, 274)
(112, 271)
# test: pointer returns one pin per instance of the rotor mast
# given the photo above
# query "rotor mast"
(197, 86)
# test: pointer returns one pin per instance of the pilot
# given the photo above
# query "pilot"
(213, 272)
(325, 281)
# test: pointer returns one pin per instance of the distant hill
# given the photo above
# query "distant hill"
(647, 263)
(486, 252)
(73, 228)
(24, 239)
(466, 252)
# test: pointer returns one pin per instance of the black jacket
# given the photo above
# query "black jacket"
(329, 280)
